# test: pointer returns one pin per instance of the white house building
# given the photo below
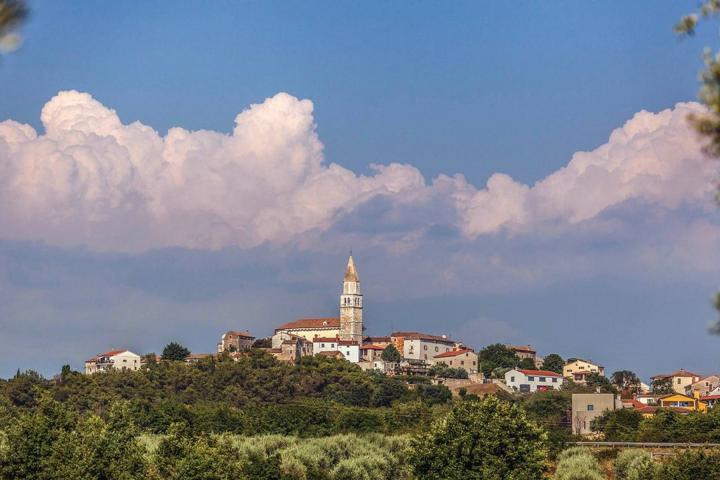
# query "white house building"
(422, 346)
(114, 359)
(533, 380)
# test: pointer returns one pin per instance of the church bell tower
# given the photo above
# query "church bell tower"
(351, 321)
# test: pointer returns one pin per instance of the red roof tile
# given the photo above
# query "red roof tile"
(244, 333)
(522, 348)
(325, 339)
(372, 347)
(422, 336)
(540, 373)
(111, 353)
(311, 323)
(453, 353)
(679, 373)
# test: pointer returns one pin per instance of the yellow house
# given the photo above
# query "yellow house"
(579, 369)
(680, 379)
(680, 400)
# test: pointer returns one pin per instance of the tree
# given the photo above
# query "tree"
(391, 354)
(662, 386)
(599, 383)
(618, 425)
(626, 381)
(707, 124)
(554, 363)
(262, 343)
(496, 356)
(527, 364)
(175, 351)
(12, 14)
(487, 439)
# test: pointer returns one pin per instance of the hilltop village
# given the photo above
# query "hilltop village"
(451, 362)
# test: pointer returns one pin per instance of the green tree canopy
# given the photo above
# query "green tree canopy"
(626, 381)
(527, 364)
(481, 440)
(662, 386)
(495, 356)
(391, 354)
(175, 351)
(554, 363)
(599, 383)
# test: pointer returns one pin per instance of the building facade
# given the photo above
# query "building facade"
(233, 341)
(460, 358)
(113, 360)
(526, 381)
(351, 305)
(586, 407)
(348, 326)
(681, 379)
(703, 386)
(421, 346)
(578, 370)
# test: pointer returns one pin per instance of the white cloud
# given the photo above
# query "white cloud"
(90, 179)
(653, 158)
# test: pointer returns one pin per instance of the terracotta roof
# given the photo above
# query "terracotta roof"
(378, 339)
(325, 339)
(453, 353)
(351, 274)
(333, 353)
(311, 323)
(709, 397)
(372, 347)
(422, 336)
(540, 373)
(679, 373)
(348, 342)
(112, 353)
(244, 333)
(522, 348)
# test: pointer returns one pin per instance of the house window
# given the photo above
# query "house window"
(512, 379)
(322, 345)
(447, 349)
(332, 345)
(590, 407)
(436, 349)
(473, 362)
(450, 362)
(542, 379)
(462, 362)
(424, 347)
(531, 379)
(554, 380)
(679, 381)
(426, 357)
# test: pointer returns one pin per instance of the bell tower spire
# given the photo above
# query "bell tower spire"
(351, 321)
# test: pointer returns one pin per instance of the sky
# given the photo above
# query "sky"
(516, 172)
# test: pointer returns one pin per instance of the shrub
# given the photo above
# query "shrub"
(578, 463)
(488, 439)
(691, 465)
(627, 458)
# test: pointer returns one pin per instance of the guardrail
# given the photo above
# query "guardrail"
(646, 445)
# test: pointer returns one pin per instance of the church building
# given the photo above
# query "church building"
(348, 327)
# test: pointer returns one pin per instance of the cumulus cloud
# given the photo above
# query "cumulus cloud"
(92, 179)
(654, 158)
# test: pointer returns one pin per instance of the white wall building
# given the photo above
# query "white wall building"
(533, 380)
(114, 359)
(350, 350)
(422, 346)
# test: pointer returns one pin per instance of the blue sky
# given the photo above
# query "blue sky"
(468, 88)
